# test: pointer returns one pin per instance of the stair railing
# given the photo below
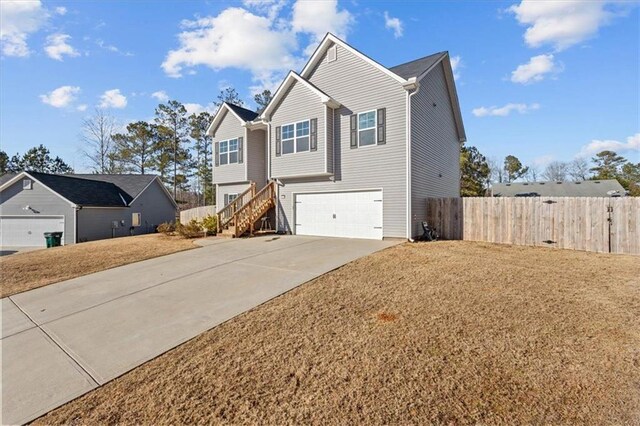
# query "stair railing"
(226, 215)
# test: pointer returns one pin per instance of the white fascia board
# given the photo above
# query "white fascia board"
(288, 81)
(217, 118)
(21, 175)
(330, 38)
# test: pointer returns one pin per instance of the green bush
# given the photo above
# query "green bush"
(210, 224)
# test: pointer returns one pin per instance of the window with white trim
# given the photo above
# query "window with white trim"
(136, 219)
(230, 197)
(295, 137)
(228, 153)
(367, 128)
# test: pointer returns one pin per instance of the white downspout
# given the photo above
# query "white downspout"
(408, 121)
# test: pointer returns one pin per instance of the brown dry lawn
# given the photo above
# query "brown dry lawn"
(440, 333)
(26, 271)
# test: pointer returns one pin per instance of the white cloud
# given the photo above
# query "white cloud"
(160, 96)
(562, 23)
(456, 65)
(61, 10)
(221, 41)
(197, 108)
(535, 69)
(595, 146)
(82, 107)
(504, 110)
(319, 17)
(113, 99)
(61, 97)
(543, 160)
(394, 24)
(19, 19)
(111, 48)
(57, 47)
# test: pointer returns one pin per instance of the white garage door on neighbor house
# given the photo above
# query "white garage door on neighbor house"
(28, 231)
(340, 214)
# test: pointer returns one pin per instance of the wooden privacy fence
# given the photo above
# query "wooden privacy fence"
(198, 213)
(605, 225)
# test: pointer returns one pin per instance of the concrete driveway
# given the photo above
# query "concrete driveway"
(9, 250)
(61, 341)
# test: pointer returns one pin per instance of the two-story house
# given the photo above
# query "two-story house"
(346, 148)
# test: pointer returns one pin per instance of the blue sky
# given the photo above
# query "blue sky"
(541, 80)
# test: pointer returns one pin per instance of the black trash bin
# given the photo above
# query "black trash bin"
(57, 239)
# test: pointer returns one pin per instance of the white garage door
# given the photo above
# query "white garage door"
(340, 214)
(28, 231)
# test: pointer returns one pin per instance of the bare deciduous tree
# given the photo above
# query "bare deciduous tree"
(98, 143)
(555, 171)
(579, 169)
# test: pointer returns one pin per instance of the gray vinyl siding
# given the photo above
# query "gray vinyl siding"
(95, 223)
(228, 189)
(360, 87)
(153, 204)
(299, 104)
(329, 112)
(155, 208)
(435, 150)
(257, 157)
(229, 128)
(13, 199)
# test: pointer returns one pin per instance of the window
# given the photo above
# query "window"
(229, 198)
(367, 128)
(332, 54)
(136, 219)
(228, 152)
(295, 137)
(27, 184)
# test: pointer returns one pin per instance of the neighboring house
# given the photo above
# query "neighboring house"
(83, 207)
(354, 147)
(586, 188)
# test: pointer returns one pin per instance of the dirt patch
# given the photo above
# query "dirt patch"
(26, 271)
(484, 333)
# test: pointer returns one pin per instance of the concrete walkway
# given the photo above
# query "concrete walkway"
(60, 341)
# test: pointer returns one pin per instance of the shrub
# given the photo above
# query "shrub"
(167, 228)
(210, 224)
(192, 229)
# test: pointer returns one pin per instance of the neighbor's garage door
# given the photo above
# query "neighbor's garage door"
(28, 231)
(340, 214)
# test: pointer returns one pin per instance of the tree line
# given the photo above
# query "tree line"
(174, 145)
(478, 173)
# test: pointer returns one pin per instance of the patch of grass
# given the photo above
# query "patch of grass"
(26, 271)
(488, 334)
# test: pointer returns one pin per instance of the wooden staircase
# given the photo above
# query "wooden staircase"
(241, 214)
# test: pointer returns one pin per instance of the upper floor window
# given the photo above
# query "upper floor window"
(228, 152)
(295, 137)
(367, 128)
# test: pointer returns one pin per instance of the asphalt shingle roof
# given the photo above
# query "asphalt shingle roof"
(92, 190)
(416, 67)
(587, 188)
(245, 114)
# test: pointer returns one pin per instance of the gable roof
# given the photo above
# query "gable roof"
(90, 190)
(131, 184)
(289, 80)
(586, 188)
(242, 114)
(84, 192)
(328, 40)
(417, 67)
